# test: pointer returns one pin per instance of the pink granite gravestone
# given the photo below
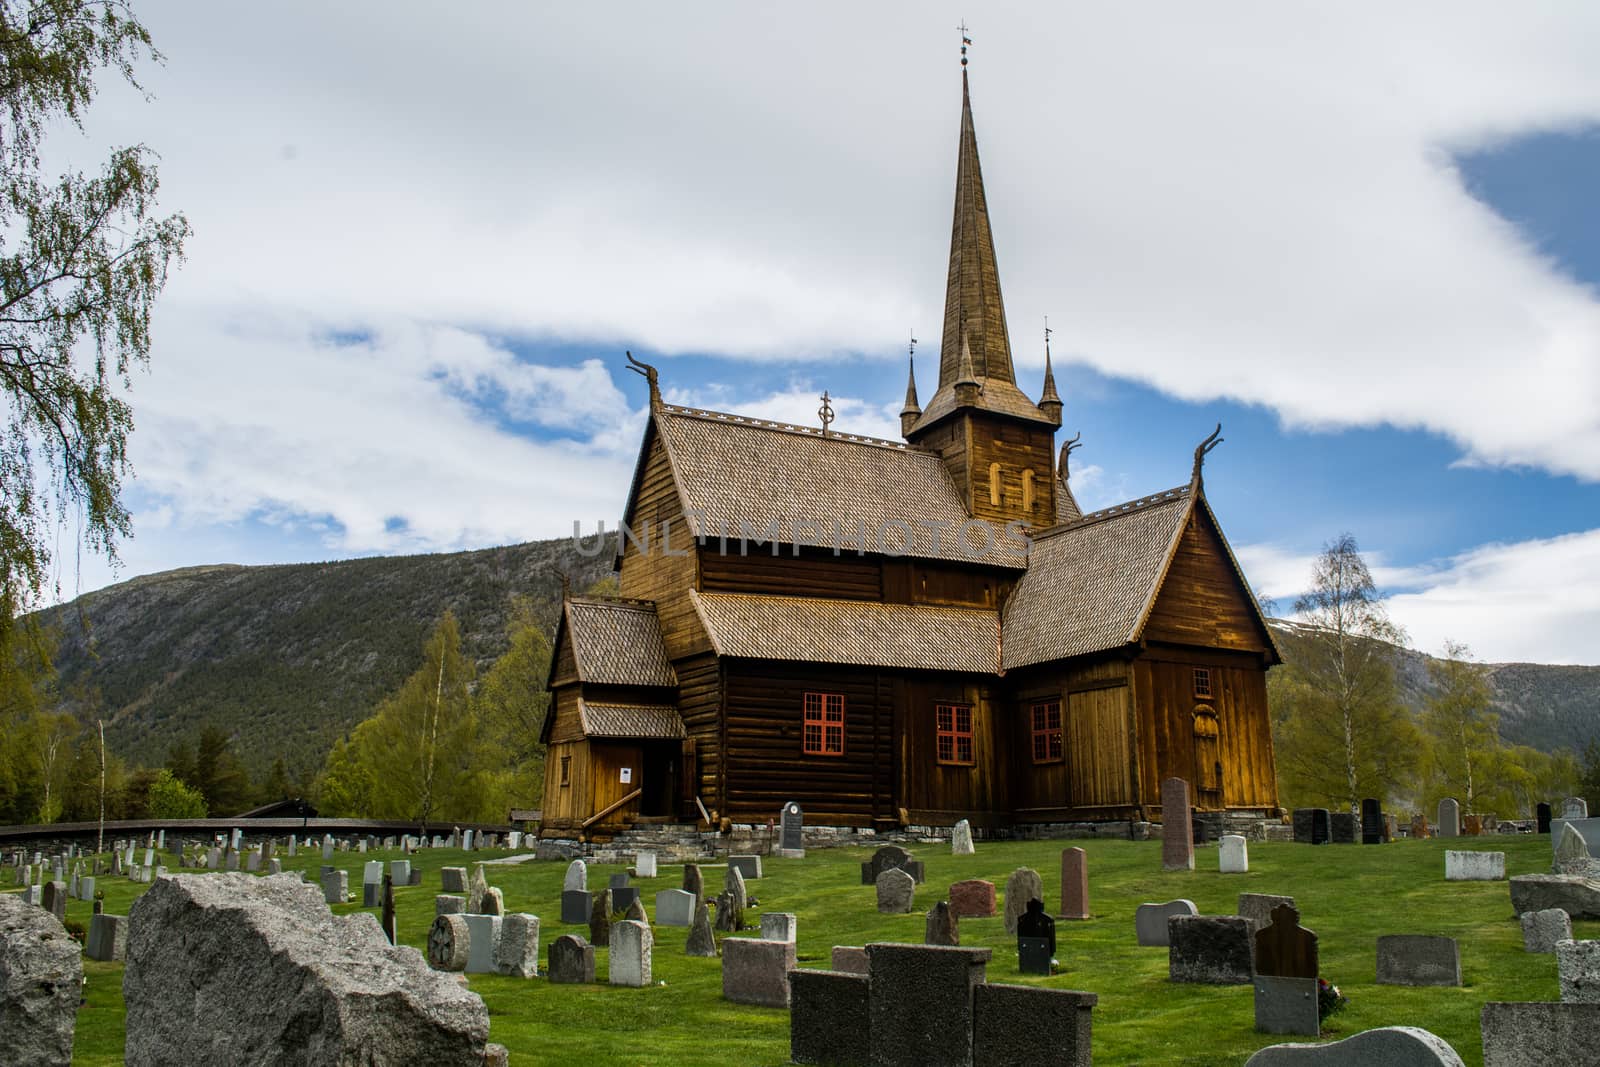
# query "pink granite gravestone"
(1074, 884)
(972, 899)
(1177, 839)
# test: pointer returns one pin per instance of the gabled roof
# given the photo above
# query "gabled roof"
(617, 642)
(630, 720)
(738, 474)
(1090, 583)
(852, 632)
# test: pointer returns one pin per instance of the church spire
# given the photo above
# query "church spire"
(913, 410)
(1049, 400)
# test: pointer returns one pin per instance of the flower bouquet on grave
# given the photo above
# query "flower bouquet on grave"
(1329, 1000)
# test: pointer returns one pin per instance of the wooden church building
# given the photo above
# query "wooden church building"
(906, 632)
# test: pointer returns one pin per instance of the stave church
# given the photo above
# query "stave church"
(907, 632)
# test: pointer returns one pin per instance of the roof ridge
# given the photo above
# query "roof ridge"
(731, 418)
(628, 602)
(1166, 496)
(878, 604)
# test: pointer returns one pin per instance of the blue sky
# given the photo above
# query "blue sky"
(1373, 256)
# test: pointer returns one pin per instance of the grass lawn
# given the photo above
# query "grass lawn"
(1348, 894)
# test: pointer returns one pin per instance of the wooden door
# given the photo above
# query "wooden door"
(616, 770)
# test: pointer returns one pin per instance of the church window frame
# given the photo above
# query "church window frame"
(566, 771)
(1202, 683)
(1048, 743)
(953, 744)
(822, 724)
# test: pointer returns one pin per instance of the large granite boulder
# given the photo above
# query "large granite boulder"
(1577, 896)
(236, 968)
(41, 979)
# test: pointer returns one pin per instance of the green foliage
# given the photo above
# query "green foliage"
(219, 775)
(511, 704)
(82, 260)
(170, 798)
(1463, 730)
(1589, 781)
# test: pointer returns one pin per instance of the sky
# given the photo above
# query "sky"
(1364, 239)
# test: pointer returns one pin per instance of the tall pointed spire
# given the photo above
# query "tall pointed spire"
(1049, 399)
(913, 410)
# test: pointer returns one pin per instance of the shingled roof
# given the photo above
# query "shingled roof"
(1089, 582)
(617, 642)
(853, 632)
(736, 474)
(631, 720)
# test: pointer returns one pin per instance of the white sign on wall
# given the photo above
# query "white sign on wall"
(627, 775)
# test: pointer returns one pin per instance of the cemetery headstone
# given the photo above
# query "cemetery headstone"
(972, 899)
(694, 882)
(921, 1003)
(644, 864)
(1177, 840)
(293, 846)
(849, 959)
(1150, 920)
(517, 954)
(1287, 1005)
(1578, 963)
(274, 866)
(757, 972)
(1284, 948)
(449, 943)
(1311, 826)
(575, 906)
(336, 887)
(791, 832)
(747, 866)
(1233, 855)
(1023, 885)
(477, 889)
(1474, 866)
(1036, 939)
(1542, 929)
(494, 902)
(54, 899)
(1343, 828)
(1371, 822)
(391, 928)
(1419, 827)
(674, 907)
(631, 944)
(453, 879)
(577, 877)
(778, 926)
(1074, 883)
(1575, 808)
(1418, 960)
(827, 1016)
(327, 848)
(890, 856)
(571, 960)
(1014, 1024)
(600, 919)
(1471, 825)
(702, 942)
(1542, 814)
(1210, 949)
(86, 888)
(400, 871)
(485, 936)
(730, 917)
(961, 839)
(1258, 907)
(896, 891)
(1389, 1046)
(1449, 818)
(108, 937)
(618, 881)
(635, 910)
(1543, 1033)
(733, 884)
(451, 904)
(942, 926)
(43, 983)
(1572, 851)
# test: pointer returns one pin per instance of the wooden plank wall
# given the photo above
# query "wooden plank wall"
(565, 807)
(815, 572)
(606, 760)
(566, 666)
(1094, 761)
(970, 443)
(1098, 749)
(1239, 698)
(935, 791)
(657, 576)
(700, 705)
(1202, 601)
(763, 761)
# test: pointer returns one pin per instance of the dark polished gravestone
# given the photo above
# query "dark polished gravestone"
(1036, 939)
(1311, 826)
(1372, 832)
(887, 857)
(1544, 818)
(1210, 949)
(921, 1003)
(1343, 828)
(1284, 948)
(575, 907)
(791, 832)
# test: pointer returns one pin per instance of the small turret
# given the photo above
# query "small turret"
(913, 410)
(967, 388)
(1050, 400)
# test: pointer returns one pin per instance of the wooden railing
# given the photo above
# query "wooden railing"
(597, 816)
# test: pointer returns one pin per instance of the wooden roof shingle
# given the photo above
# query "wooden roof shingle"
(618, 642)
(631, 720)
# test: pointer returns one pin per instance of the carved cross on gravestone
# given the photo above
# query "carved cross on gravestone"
(1284, 948)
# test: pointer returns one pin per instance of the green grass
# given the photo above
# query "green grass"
(1348, 894)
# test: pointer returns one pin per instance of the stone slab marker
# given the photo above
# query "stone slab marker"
(1311, 826)
(449, 942)
(961, 839)
(1579, 897)
(1210, 949)
(702, 941)
(896, 892)
(41, 981)
(54, 899)
(828, 1016)
(1390, 1046)
(108, 937)
(778, 926)
(1548, 1033)
(748, 866)
(921, 1003)
(694, 882)
(1015, 1024)
(644, 864)
(942, 927)
(1572, 851)
(972, 899)
(1449, 818)
(1542, 929)
(1344, 828)
(1233, 855)
(1474, 866)
(1258, 907)
(891, 856)
(791, 832)
(1150, 921)
(600, 918)
(1575, 808)
(294, 982)
(631, 943)
(1177, 838)
(1371, 822)
(575, 906)
(517, 954)
(1074, 884)
(1023, 885)
(484, 942)
(336, 887)
(453, 879)
(849, 959)
(571, 960)
(1287, 1005)
(756, 971)
(674, 907)
(1578, 963)
(1418, 960)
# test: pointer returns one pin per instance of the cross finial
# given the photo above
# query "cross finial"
(966, 42)
(825, 412)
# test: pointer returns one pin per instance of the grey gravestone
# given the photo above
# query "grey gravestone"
(1257, 907)
(1540, 1034)
(747, 866)
(779, 926)
(942, 927)
(1311, 826)
(635, 912)
(336, 887)
(43, 983)
(961, 839)
(108, 937)
(896, 892)
(571, 960)
(1575, 808)
(1572, 851)
(791, 832)
(577, 877)
(624, 898)
(449, 904)
(921, 1003)
(517, 953)
(370, 894)
(631, 946)
(730, 917)
(644, 864)
(701, 942)
(1210, 949)
(757, 972)
(827, 1016)
(849, 959)
(575, 906)
(1418, 960)
(1579, 897)
(674, 907)
(1177, 838)
(694, 882)
(485, 940)
(1029, 1025)
(1343, 828)
(618, 881)
(1150, 920)
(54, 899)
(400, 871)
(494, 902)
(1449, 818)
(890, 856)
(600, 918)
(1474, 866)
(733, 884)
(449, 942)
(1023, 885)
(1371, 822)
(477, 889)
(1542, 929)
(453, 879)
(1391, 1046)
(1287, 1005)
(1578, 963)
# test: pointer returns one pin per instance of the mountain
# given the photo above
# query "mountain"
(288, 658)
(1543, 706)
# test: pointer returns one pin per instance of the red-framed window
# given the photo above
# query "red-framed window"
(1047, 732)
(953, 741)
(823, 731)
(1202, 681)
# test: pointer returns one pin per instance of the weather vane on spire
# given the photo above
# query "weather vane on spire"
(825, 412)
(1047, 332)
(966, 42)
(911, 349)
